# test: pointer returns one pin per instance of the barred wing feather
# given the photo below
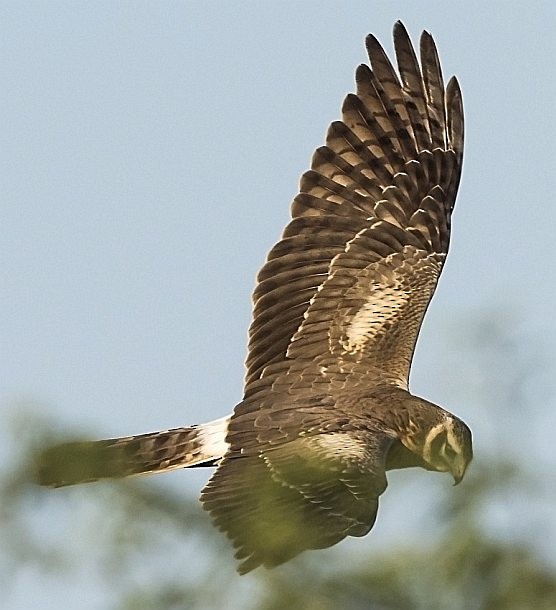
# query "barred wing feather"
(358, 263)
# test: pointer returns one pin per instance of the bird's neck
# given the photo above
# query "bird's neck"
(407, 417)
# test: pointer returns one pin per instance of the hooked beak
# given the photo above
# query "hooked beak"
(458, 470)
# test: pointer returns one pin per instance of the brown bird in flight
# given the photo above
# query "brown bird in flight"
(338, 305)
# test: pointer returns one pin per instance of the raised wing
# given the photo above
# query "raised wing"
(358, 264)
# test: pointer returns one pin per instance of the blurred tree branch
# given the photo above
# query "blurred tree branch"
(151, 547)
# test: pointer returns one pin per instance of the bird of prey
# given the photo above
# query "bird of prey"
(326, 411)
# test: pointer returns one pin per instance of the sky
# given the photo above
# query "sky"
(150, 153)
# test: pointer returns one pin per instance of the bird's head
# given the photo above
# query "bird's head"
(448, 447)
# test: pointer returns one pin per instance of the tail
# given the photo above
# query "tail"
(83, 462)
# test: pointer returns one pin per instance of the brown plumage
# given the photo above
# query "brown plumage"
(337, 311)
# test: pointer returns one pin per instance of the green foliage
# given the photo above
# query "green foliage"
(131, 526)
(144, 546)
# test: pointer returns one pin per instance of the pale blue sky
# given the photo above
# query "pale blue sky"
(150, 153)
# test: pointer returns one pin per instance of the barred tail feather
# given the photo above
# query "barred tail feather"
(87, 461)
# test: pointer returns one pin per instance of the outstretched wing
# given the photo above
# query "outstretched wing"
(358, 264)
(309, 493)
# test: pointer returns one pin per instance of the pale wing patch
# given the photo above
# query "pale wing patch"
(373, 315)
(379, 321)
(341, 445)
